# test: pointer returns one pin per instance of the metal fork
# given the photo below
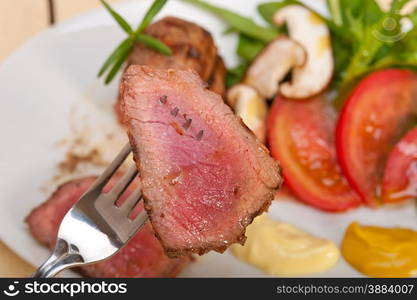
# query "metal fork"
(94, 229)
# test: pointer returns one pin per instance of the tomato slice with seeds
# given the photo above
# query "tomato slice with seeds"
(375, 115)
(400, 176)
(301, 137)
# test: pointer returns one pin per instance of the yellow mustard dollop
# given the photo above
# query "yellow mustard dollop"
(280, 249)
(381, 252)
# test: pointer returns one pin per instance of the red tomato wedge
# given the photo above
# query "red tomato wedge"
(373, 118)
(400, 176)
(301, 137)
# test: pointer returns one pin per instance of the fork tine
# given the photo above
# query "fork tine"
(131, 201)
(121, 185)
(111, 169)
(138, 222)
(96, 214)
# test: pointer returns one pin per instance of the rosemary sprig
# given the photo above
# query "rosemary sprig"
(126, 44)
(122, 22)
(153, 43)
(150, 14)
(116, 59)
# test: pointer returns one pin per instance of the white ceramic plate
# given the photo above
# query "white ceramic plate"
(42, 82)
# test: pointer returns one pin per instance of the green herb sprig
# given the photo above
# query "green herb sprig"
(116, 59)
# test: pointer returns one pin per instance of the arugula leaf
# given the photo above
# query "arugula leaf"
(377, 41)
(242, 24)
(355, 43)
(335, 10)
(248, 48)
(235, 75)
(150, 14)
(341, 55)
(372, 13)
(119, 19)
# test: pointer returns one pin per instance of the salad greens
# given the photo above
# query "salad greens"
(247, 49)
(364, 38)
(120, 54)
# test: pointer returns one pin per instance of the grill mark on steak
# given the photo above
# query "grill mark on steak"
(199, 135)
(175, 111)
(163, 99)
(187, 124)
(208, 190)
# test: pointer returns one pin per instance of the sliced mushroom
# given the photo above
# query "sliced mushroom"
(311, 32)
(272, 64)
(251, 107)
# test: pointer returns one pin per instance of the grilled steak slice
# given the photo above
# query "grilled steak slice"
(143, 256)
(204, 175)
(192, 48)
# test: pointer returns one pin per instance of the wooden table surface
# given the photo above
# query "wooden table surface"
(19, 21)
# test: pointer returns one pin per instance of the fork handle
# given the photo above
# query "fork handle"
(54, 265)
(59, 260)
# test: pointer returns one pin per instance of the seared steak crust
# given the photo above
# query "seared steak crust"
(204, 175)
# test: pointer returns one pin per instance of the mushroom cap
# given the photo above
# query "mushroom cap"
(311, 32)
(272, 65)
